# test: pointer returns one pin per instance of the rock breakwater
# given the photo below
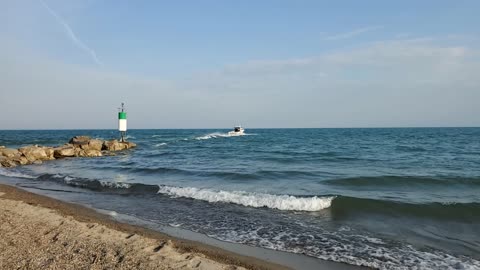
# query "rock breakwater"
(78, 146)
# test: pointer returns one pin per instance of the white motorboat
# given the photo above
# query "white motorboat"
(237, 131)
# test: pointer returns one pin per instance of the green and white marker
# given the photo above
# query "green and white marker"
(122, 122)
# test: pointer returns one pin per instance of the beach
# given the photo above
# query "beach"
(294, 198)
(43, 233)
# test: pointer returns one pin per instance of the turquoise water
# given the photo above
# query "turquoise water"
(385, 198)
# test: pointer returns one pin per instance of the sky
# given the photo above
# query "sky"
(219, 63)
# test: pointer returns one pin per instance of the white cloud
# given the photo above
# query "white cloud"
(416, 82)
(353, 33)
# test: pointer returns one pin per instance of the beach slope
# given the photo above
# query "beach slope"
(38, 232)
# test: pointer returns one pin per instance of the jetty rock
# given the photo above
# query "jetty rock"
(78, 146)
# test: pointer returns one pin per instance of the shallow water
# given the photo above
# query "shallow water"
(385, 198)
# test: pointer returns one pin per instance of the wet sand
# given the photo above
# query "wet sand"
(39, 232)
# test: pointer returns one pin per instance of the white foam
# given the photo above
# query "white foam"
(69, 178)
(160, 144)
(369, 252)
(115, 184)
(11, 173)
(281, 202)
(212, 136)
(220, 135)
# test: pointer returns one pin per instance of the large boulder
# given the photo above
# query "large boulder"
(87, 153)
(9, 152)
(93, 144)
(50, 152)
(33, 153)
(2, 159)
(22, 160)
(78, 152)
(129, 145)
(79, 140)
(93, 153)
(113, 145)
(8, 163)
(61, 152)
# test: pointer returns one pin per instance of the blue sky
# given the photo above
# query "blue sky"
(213, 64)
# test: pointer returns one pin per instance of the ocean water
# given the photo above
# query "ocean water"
(406, 198)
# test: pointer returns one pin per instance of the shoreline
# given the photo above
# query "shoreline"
(200, 247)
(73, 215)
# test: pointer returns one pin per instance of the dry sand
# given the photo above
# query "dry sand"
(37, 232)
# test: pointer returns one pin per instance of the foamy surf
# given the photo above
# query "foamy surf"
(281, 202)
(11, 173)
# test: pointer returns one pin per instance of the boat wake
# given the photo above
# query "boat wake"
(220, 135)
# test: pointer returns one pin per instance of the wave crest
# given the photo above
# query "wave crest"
(281, 202)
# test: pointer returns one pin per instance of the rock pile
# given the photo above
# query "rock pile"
(78, 146)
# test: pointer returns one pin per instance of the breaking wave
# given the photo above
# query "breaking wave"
(281, 202)
(338, 205)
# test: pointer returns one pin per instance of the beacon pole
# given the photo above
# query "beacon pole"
(122, 122)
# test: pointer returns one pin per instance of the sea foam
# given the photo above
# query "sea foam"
(281, 202)
(160, 144)
(11, 173)
(220, 135)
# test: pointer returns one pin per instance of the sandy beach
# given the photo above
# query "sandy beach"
(43, 233)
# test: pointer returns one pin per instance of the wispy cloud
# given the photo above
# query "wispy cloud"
(72, 36)
(353, 33)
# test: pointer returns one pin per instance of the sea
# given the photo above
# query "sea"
(387, 198)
